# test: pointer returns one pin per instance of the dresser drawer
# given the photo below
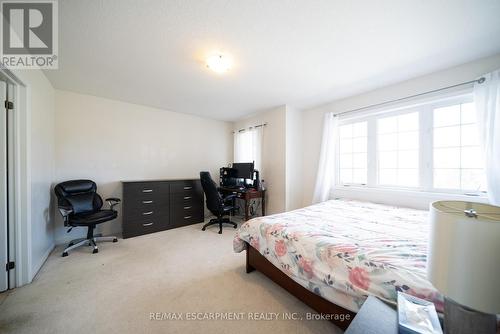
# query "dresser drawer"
(186, 217)
(187, 186)
(148, 202)
(132, 228)
(187, 208)
(146, 212)
(146, 189)
(185, 199)
(139, 200)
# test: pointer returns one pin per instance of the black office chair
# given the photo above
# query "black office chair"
(80, 205)
(216, 203)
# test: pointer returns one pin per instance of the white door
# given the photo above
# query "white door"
(4, 281)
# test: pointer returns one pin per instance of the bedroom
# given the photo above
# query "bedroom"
(356, 115)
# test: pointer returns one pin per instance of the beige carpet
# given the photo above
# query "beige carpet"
(181, 270)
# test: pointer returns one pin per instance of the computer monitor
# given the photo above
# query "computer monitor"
(244, 170)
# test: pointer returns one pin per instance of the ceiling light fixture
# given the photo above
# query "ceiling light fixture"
(219, 63)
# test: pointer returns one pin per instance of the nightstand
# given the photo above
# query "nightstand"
(374, 317)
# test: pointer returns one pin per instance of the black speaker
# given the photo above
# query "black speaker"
(228, 177)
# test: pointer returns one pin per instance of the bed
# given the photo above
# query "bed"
(334, 254)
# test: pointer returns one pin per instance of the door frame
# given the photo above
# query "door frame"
(20, 196)
(5, 234)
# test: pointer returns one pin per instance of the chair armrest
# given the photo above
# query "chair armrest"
(65, 212)
(229, 198)
(113, 201)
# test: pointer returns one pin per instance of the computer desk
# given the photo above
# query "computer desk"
(247, 195)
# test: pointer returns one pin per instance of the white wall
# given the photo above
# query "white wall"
(109, 141)
(313, 118)
(293, 170)
(281, 156)
(40, 143)
(273, 155)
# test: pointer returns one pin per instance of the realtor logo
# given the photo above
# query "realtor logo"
(29, 34)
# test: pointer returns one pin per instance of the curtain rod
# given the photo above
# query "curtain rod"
(480, 81)
(250, 127)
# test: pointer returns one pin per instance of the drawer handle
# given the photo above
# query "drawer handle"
(147, 190)
(187, 217)
(147, 224)
(188, 188)
(147, 202)
(147, 213)
(187, 207)
(187, 197)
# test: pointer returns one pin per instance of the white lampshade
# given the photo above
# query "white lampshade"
(464, 253)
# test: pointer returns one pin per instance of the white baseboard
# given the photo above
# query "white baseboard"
(38, 266)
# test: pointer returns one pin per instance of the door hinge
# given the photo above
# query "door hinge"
(10, 266)
(9, 105)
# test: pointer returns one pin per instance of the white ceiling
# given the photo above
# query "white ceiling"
(302, 53)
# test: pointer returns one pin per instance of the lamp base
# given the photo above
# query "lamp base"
(459, 319)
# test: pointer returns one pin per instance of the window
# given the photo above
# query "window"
(458, 163)
(248, 146)
(432, 146)
(353, 153)
(244, 147)
(397, 150)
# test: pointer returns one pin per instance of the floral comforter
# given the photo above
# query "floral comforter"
(346, 250)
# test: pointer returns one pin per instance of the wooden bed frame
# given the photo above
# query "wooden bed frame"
(256, 261)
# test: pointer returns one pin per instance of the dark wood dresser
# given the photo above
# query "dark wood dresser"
(152, 206)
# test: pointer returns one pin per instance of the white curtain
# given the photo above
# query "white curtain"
(248, 146)
(487, 101)
(325, 178)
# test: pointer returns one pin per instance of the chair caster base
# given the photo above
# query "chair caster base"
(219, 221)
(90, 241)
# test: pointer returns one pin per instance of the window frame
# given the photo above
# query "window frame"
(425, 108)
(375, 138)
(339, 153)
